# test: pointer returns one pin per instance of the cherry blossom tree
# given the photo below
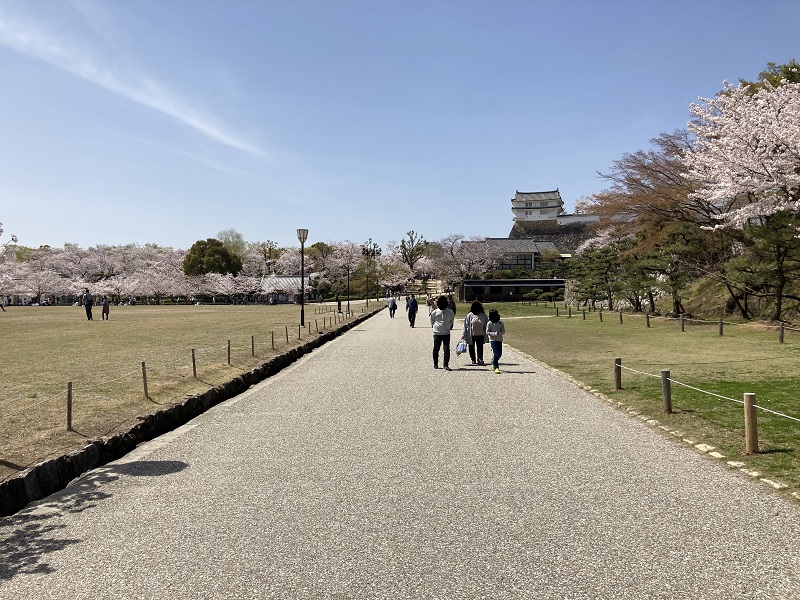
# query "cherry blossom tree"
(748, 151)
(747, 159)
(222, 285)
(464, 258)
(288, 262)
(393, 271)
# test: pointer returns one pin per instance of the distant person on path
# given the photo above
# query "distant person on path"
(88, 302)
(495, 330)
(442, 322)
(106, 305)
(474, 332)
(392, 306)
(412, 309)
(451, 304)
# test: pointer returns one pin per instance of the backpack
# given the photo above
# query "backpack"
(476, 326)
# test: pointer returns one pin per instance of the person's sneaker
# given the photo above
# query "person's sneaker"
(448, 369)
(496, 370)
(435, 366)
(481, 363)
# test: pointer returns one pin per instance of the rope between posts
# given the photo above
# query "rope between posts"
(48, 399)
(686, 385)
(640, 372)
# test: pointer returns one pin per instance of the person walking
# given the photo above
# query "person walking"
(88, 302)
(392, 306)
(442, 322)
(495, 330)
(106, 305)
(451, 304)
(412, 308)
(474, 332)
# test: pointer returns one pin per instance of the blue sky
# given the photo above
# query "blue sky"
(152, 121)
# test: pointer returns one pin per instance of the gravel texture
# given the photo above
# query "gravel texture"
(362, 472)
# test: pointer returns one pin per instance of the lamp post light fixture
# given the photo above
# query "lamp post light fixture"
(302, 236)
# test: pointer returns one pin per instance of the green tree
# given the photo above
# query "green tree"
(210, 256)
(233, 241)
(597, 274)
(412, 248)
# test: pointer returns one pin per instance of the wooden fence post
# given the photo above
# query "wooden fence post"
(750, 425)
(229, 353)
(69, 406)
(666, 391)
(617, 374)
(273, 339)
(253, 344)
(194, 365)
(144, 380)
(287, 334)
(780, 333)
(601, 315)
(682, 329)
(647, 319)
(569, 315)
(720, 325)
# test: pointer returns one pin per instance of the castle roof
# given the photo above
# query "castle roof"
(537, 196)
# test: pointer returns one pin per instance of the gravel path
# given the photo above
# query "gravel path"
(362, 472)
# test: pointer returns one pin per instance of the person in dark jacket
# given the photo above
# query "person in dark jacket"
(412, 309)
(88, 302)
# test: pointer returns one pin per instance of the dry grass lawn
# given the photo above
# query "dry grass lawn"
(46, 347)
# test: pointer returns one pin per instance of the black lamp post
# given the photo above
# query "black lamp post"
(302, 235)
(348, 289)
(372, 249)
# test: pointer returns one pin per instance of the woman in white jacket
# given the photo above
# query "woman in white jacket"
(442, 322)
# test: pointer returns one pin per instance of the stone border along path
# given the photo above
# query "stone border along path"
(361, 472)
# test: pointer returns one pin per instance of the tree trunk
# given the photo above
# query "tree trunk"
(780, 286)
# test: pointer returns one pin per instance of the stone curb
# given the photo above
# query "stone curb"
(53, 475)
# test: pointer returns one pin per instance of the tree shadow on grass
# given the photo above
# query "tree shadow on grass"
(29, 536)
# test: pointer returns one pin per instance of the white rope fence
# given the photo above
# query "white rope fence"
(751, 427)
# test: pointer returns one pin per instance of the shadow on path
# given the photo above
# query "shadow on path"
(40, 530)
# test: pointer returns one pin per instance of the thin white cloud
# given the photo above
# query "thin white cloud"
(30, 40)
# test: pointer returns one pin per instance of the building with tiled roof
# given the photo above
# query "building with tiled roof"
(545, 206)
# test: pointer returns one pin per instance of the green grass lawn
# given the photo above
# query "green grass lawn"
(746, 358)
(46, 347)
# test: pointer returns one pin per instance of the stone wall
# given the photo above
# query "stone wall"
(566, 238)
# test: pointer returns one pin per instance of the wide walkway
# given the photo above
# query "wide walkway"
(362, 472)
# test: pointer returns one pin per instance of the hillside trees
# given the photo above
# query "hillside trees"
(747, 159)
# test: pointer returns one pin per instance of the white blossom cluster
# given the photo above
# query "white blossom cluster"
(748, 150)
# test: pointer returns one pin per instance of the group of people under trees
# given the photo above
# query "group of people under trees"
(478, 327)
